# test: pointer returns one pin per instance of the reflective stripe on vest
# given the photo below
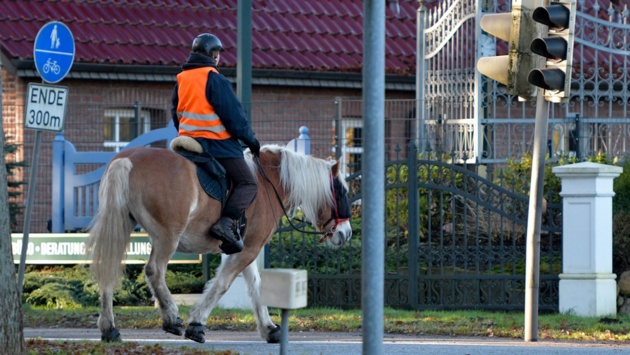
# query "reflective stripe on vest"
(196, 116)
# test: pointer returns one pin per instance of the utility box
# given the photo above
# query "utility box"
(283, 288)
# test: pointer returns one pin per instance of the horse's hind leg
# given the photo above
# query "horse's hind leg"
(267, 329)
(109, 332)
(155, 272)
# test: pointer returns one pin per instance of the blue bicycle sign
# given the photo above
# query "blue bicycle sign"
(54, 51)
(51, 66)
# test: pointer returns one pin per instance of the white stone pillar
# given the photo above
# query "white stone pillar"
(587, 284)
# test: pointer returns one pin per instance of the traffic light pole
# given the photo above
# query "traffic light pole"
(534, 218)
(553, 43)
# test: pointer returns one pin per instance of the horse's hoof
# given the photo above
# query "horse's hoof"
(110, 336)
(232, 248)
(176, 328)
(274, 335)
(194, 331)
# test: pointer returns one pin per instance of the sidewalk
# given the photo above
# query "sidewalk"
(342, 343)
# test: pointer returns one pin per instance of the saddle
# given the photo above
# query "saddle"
(210, 172)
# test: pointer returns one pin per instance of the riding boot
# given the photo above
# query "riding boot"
(225, 230)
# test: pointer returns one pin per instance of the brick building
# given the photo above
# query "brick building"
(305, 56)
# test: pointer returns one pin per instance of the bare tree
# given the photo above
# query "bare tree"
(12, 328)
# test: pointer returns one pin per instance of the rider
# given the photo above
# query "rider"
(205, 108)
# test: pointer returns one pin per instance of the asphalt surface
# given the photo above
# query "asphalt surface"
(343, 343)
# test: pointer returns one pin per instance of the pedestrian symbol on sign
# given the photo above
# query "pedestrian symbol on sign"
(54, 40)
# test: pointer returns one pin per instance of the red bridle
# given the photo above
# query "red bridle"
(334, 216)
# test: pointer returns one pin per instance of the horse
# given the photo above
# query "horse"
(159, 190)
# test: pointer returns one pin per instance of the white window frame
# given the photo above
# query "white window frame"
(124, 114)
(345, 150)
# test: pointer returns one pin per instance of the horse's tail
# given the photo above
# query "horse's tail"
(111, 227)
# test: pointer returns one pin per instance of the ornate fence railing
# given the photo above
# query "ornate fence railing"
(453, 239)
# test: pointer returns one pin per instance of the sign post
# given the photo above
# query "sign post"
(53, 53)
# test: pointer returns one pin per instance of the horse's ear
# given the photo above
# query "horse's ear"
(335, 168)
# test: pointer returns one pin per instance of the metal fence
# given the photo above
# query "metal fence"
(453, 240)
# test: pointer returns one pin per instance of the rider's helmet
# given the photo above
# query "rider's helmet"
(207, 44)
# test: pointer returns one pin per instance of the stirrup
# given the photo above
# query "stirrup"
(232, 243)
(232, 248)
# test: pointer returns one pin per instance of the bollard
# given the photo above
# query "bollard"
(285, 289)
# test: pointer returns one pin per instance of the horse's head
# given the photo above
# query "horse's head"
(315, 186)
(335, 219)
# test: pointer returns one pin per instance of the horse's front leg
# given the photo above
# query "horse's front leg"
(155, 272)
(230, 267)
(267, 329)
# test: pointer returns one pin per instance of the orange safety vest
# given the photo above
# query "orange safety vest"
(196, 116)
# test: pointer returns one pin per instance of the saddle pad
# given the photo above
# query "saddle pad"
(210, 173)
(212, 186)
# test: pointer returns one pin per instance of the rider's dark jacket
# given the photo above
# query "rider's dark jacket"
(203, 98)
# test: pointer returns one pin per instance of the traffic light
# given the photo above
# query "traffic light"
(516, 29)
(557, 47)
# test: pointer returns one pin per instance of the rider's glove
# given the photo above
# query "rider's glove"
(254, 147)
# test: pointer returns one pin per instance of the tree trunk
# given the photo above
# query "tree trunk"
(11, 326)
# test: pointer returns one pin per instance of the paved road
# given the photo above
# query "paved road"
(345, 343)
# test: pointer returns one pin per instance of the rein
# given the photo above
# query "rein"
(286, 214)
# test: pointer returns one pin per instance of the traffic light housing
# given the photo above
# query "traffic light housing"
(515, 28)
(556, 47)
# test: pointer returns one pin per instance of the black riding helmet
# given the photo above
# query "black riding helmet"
(206, 43)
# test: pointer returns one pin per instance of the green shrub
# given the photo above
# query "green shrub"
(73, 286)
(132, 293)
(54, 296)
(35, 280)
(621, 242)
(517, 177)
(621, 200)
(13, 185)
(182, 282)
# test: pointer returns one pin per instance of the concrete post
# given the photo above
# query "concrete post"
(587, 284)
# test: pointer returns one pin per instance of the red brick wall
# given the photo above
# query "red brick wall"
(277, 114)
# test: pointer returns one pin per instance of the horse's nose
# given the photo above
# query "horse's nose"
(347, 235)
(344, 236)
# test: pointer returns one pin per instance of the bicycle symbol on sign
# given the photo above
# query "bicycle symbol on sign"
(51, 65)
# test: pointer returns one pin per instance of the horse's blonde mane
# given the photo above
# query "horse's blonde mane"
(306, 179)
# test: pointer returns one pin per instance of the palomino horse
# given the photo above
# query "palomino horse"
(159, 190)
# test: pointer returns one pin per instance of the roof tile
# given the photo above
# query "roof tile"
(324, 35)
(287, 34)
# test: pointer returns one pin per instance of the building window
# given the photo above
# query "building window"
(122, 125)
(352, 145)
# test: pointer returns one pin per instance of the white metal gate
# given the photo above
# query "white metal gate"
(473, 118)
